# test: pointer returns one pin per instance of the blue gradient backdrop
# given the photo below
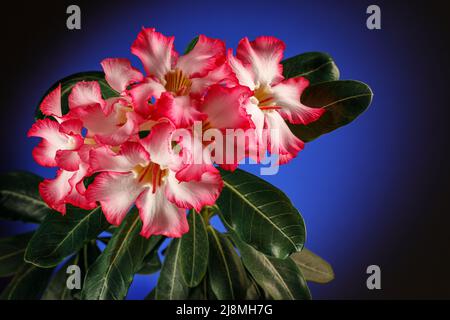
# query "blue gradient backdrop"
(341, 182)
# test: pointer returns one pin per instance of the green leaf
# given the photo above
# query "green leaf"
(57, 288)
(151, 263)
(194, 250)
(313, 267)
(112, 273)
(280, 278)
(260, 214)
(191, 45)
(202, 291)
(170, 284)
(315, 66)
(67, 84)
(12, 250)
(20, 199)
(28, 284)
(226, 273)
(59, 236)
(343, 101)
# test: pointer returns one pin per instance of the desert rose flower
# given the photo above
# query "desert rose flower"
(177, 79)
(62, 146)
(257, 66)
(144, 173)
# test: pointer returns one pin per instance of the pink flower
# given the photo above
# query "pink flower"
(177, 79)
(257, 66)
(62, 145)
(144, 173)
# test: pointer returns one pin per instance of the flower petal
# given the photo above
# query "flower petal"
(121, 132)
(68, 160)
(155, 51)
(54, 191)
(287, 96)
(51, 105)
(142, 93)
(159, 145)
(225, 107)
(84, 94)
(244, 74)
(159, 216)
(285, 143)
(181, 111)
(131, 154)
(207, 54)
(222, 75)
(116, 193)
(263, 55)
(119, 73)
(194, 194)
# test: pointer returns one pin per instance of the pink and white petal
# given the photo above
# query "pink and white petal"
(181, 111)
(119, 73)
(80, 200)
(54, 191)
(194, 194)
(287, 96)
(142, 94)
(194, 172)
(207, 54)
(116, 193)
(284, 143)
(95, 120)
(222, 75)
(48, 130)
(159, 144)
(159, 216)
(122, 132)
(77, 196)
(155, 51)
(71, 127)
(225, 107)
(257, 146)
(44, 154)
(244, 74)
(84, 94)
(51, 105)
(264, 55)
(131, 155)
(68, 160)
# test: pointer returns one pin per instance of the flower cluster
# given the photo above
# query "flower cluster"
(160, 173)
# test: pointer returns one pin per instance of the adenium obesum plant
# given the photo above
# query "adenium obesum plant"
(142, 157)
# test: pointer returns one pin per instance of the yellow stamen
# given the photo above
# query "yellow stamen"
(177, 82)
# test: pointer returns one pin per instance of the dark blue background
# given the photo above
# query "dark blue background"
(373, 192)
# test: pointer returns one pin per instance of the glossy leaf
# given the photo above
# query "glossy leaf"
(344, 101)
(191, 45)
(313, 267)
(194, 250)
(151, 263)
(57, 288)
(59, 236)
(260, 214)
(315, 66)
(202, 291)
(29, 283)
(112, 273)
(68, 83)
(20, 199)
(226, 273)
(281, 279)
(12, 250)
(170, 284)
